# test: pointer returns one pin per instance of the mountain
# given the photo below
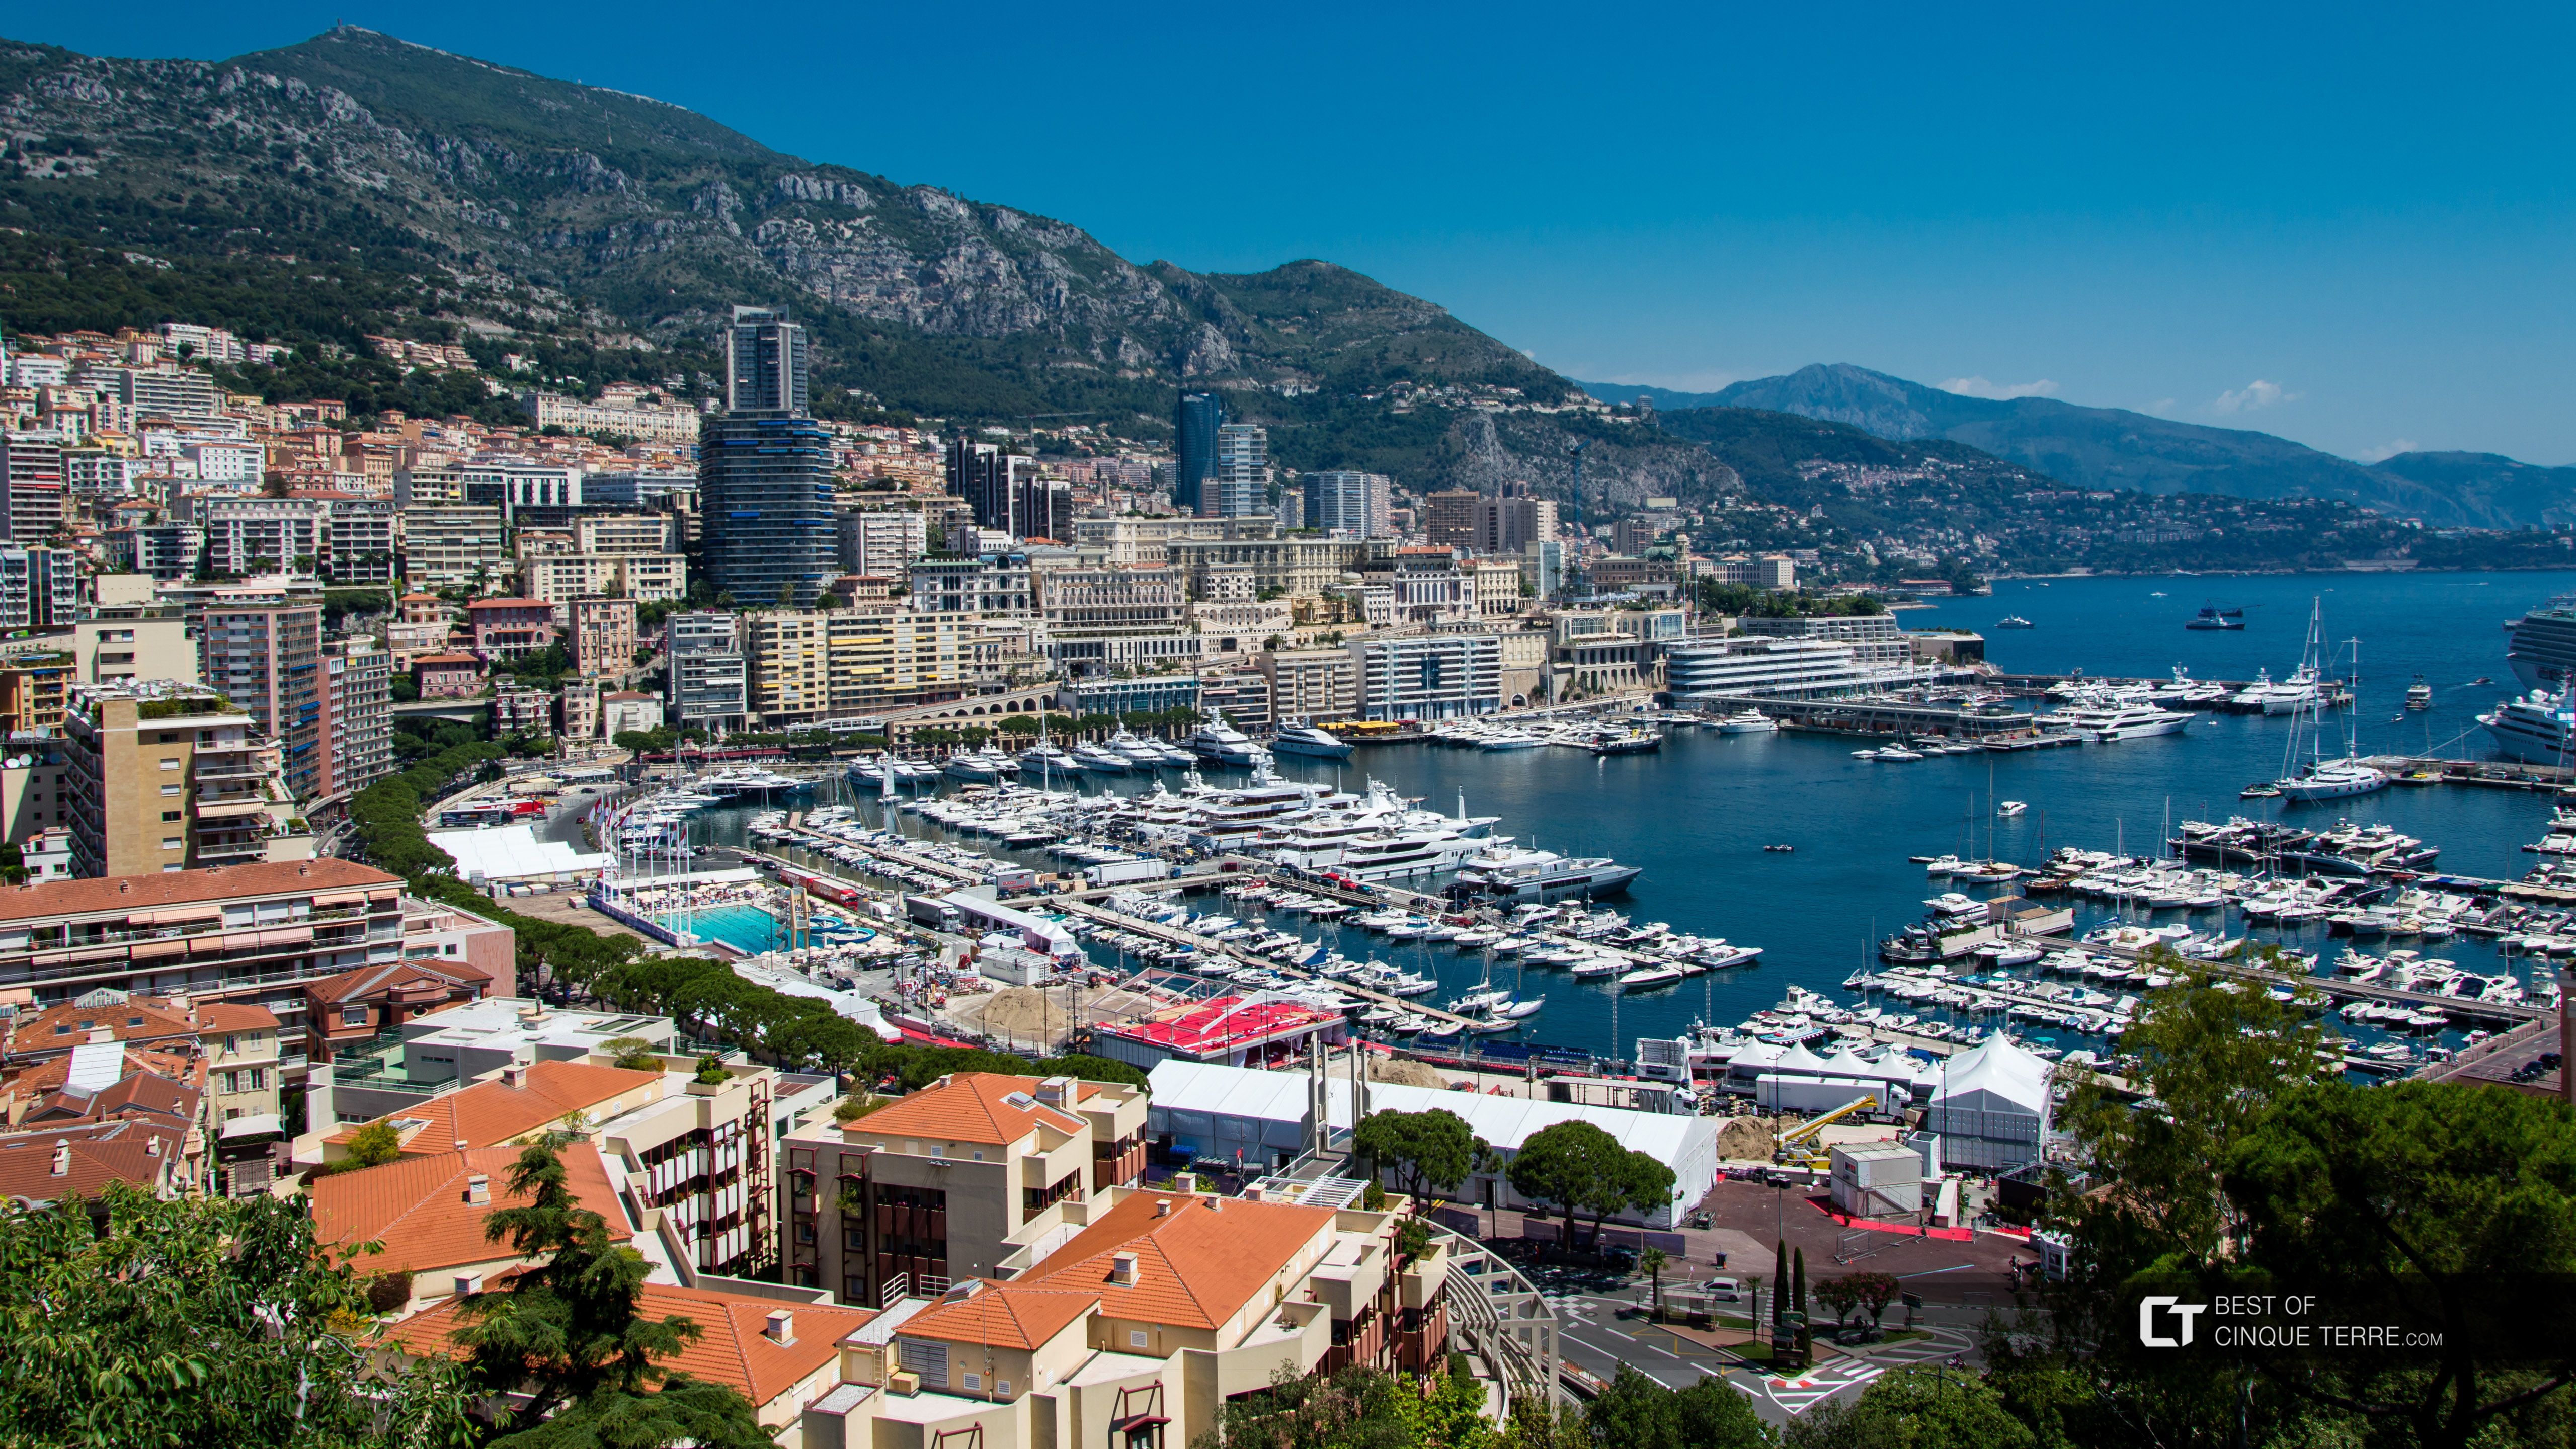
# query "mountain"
(1663, 398)
(424, 194)
(2116, 448)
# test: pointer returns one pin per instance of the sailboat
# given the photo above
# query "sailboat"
(2323, 779)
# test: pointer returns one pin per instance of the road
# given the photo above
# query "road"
(1604, 1328)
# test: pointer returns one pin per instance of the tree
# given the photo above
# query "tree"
(2434, 1206)
(128, 1320)
(374, 1145)
(1841, 1296)
(1798, 1296)
(633, 1053)
(569, 1334)
(1913, 1408)
(1651, 1263)
(1568, 1166)
(1429, 1152)
(1635, 1412)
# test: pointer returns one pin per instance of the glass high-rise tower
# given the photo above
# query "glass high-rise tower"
(1194, 453)
(765, 470)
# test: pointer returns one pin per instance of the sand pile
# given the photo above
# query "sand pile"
(1405, 1073)
(1025, 1013)
(1746, 1138)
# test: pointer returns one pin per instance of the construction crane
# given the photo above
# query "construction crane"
(1787, 1155)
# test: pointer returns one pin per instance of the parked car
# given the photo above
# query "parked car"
(1728, 1290)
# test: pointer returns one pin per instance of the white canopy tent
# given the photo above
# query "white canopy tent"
(1991, 1107)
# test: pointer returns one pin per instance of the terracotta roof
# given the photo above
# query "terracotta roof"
(416, 1207)
(733, 1349)
(58, 1029)
(492, 1112)
(967, 1107)
(100, 1153)
(1003, 1315)
(187, 887)
(387, 975)
(446, 659)
(509, 604)
(235, 1016)
(139, 1094)
(1197, 1267)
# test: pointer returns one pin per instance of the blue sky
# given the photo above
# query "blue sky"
(2348, 225)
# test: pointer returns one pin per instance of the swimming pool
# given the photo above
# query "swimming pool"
(747, 929)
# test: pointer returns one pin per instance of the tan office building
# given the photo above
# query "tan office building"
(157, 783)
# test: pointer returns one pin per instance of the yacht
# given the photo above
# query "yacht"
(2419, 695)
(1143, 754)
(1100, 759)
(1297, 737)
(1748, 722)
(2287, 697)
(2102, 719)
(2213, 617)
(2014, 621)
(1541, 876)
(2535, 729)
(2333, 780)
(979, 767)
(2542, 647)
(1223, 743)
(1049, 761)
(1509, 739)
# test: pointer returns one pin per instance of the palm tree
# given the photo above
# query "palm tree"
(1651, 1263)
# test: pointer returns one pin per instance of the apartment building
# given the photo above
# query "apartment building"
(357, 716)
(1131, 1318)
(644, 577)
(1349, 503)
(806, 666)
(39, 588)
(358, 539)
(1875, 640)
(1452, 518)
(1513, 521)
(163, 550)
(627, 416)
(1446, 675)
(526, 490)
(155, 781)
(268, 661)
(603, 636)
(708, 672)
(701, 1154)
(924, 1191)
(1311, 684)
(248, 934)
(509, 628)
(882, 543)
(445, 545)
(34, 687)
(252, 535)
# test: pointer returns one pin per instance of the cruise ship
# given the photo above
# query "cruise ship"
(2106, 719)
(2542, 647)
(1297, 737)
(2537, 729)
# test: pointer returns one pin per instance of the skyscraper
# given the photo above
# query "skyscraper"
(765, 470)
(268, 661)
(1194, 455)
(1352, 504)
(1239, 486)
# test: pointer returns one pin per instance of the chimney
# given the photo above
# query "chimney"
(1122, 1270)
(468, 1283)
(62, 1156)
(781, 1327)
(514, 1076)
(1213, 1203)
(478, 1189)
(152, 1146)
(1162, 1207)
(101, 1034)
(1056, 1091)
(463, 1145)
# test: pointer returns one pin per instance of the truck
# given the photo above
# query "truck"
(1127, 872)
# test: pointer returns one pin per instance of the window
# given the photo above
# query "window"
(230, 1082)
(258, 1079)
(169, 764)
(1135, 1338)
(172, 842)
(232, 1046)
(975, 1383)
(170, 815)
(353, 1015)
(169, 790)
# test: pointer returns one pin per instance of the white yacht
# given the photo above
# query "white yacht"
(1049, 761)
(2333, 780)
(2106, 719)
(1297, 737)
(1542, 875)
(1509, 739)
(1747, 722)
(1099, 759)
(1223, 743)
(2536, 729)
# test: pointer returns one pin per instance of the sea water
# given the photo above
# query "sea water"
(1696, 815)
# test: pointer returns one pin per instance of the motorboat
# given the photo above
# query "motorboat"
(1510, 739)
(2009, 808)
(2014, 621)
(1101, 760)
(2419, 695)
(1049, 761)
(1747, 722)
(1297, 737)
(2100, 717)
